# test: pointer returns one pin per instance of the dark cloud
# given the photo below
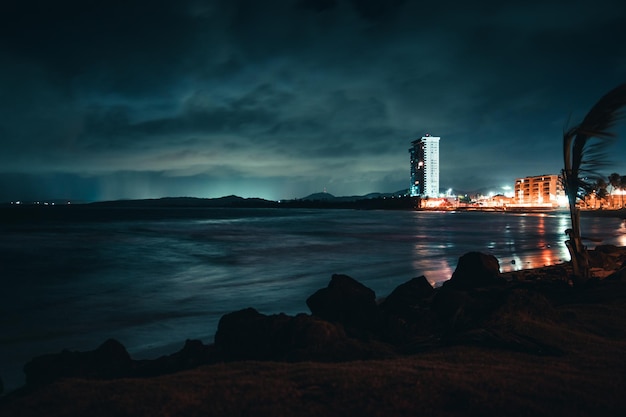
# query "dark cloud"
(74, 40)
(280, 99)
(376, 10)
(317, 5)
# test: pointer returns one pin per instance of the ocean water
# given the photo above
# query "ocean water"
(153, 278)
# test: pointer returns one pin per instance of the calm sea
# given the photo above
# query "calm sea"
(153, 278)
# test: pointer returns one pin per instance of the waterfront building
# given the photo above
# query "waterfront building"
(425, 166)
(540, 190)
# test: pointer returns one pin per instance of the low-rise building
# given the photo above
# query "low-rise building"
(540, 191)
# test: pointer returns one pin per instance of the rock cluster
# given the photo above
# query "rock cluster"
(110, 360)
(248, 334)
(346, 323)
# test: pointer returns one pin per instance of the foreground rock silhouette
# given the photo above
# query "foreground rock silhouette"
(110, 360)
(478, 308)
(346, 323)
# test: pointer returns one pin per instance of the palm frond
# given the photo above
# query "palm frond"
(604, 114)
(584, 156)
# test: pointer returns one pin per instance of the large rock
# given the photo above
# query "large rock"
(348, 302)
(605, 257)
(404, 299)
(193, 354)
(248, 334)
(468, 298)
(475, 270)
(243, 334)
(109, 360)
(619, 275)
(406, 312)
(449, 305)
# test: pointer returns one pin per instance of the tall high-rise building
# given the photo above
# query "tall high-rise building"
(425, 166)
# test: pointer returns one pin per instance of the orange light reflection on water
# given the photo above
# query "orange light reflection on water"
(621, 239)
(549, 253)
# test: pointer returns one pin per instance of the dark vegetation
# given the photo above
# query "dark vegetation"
(522, 343)
(601, 194)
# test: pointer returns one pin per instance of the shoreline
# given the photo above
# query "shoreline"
(353, 357)
(382, 276)
(21, 211)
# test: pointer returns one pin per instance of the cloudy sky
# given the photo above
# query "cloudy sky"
(104, 100)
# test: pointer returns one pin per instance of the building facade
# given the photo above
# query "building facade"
(425, 166)
(541, 190)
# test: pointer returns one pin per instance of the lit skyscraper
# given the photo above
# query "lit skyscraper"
(425, 166)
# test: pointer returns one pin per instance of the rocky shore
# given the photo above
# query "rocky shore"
(485, 343)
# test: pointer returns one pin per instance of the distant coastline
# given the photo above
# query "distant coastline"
(232, 201)
(315, 201)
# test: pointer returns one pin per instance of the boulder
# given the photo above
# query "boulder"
(243, 334)
(109, 360)
(601, 258)
(459, 310)
(193, 354)
(404, 299)
(475, 270)
(305, 331)
(609, 249)
(248, 334)
(406, 312)
(348, 302)
(619, 275)
(449, 304)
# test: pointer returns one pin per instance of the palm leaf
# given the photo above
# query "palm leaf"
(584, 157)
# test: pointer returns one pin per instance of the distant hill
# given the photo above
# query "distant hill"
(398, 200)
(226, 201)
(315, 200)
(319, 197)
(324, 196)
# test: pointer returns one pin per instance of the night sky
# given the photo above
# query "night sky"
(103, 100)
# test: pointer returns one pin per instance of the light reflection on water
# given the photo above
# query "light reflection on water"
(621, 235)
(549, 242)
(519, 241)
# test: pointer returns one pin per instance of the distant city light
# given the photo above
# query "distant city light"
(562, 200)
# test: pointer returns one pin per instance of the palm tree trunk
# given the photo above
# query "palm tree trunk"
(578, 252)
